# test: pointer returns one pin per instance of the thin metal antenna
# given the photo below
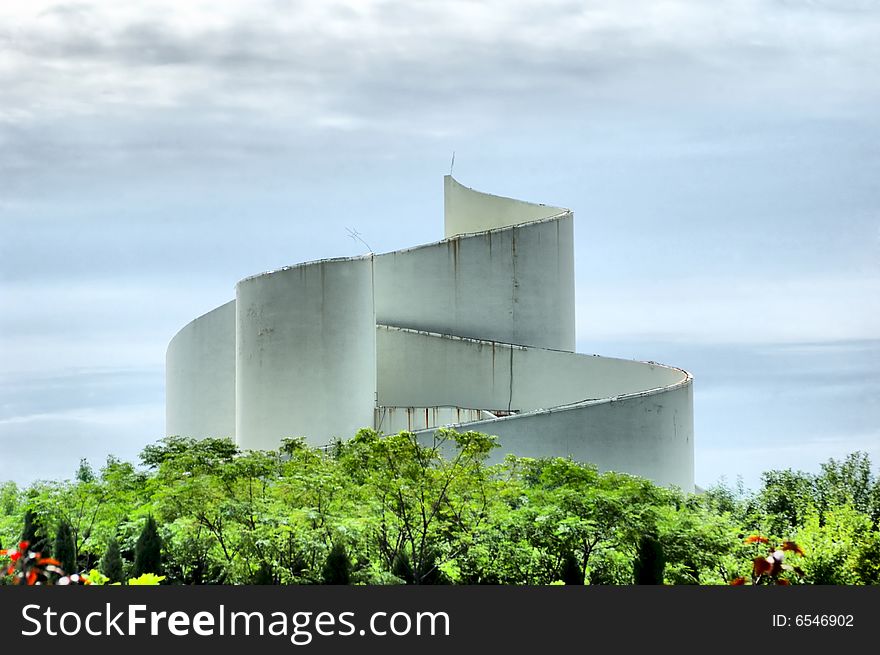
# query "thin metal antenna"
(356, 236)
(452, 165)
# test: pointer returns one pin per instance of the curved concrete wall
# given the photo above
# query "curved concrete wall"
(649, 434)
(200, 376)
(477, 330)
(306, 353)
(467, 211)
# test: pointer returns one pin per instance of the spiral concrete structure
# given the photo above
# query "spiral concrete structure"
(476, 331)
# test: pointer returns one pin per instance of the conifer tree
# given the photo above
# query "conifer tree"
(402, 568)
(148, 551)
(337, 567)
(34, 534)
(65, 548)
(650, 561)
(264, 575)
(111, 563)
(571, 570)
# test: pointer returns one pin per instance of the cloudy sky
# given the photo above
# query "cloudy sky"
(722, 159)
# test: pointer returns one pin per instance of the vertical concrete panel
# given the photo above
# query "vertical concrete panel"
(305, 353)
(544, 292)
(514, 285)
(650, 436)
(200, 377)
(417, 369)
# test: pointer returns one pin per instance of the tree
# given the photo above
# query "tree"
(571, 570)
(148, 551)
(337, 567)
(847, 482)
(574, 510)
(834, 542)
(425, 501)
(650, 562)
(34, 533)
(785, 500)
(85, 473)
(111, 563)
(700, 544)
(65, 548)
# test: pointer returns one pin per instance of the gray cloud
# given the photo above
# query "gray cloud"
(454, 52)
(26, 396)
(94, 85)
(49, 421)
(153, 153)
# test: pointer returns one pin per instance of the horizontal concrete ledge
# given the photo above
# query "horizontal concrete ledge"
(315, 262)
(495, 230)
(686, 377)
(455, 337)
(329, 260)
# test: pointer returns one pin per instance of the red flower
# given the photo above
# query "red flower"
(757, 539)
(15, 555)
(22, 545)
(736, 582)
(762, 565)
(792, 547)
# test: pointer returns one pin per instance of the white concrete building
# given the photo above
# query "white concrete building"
(475, 331)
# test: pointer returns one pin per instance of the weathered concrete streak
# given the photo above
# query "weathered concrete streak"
(305, 353)
(514, 285)
(650, 435)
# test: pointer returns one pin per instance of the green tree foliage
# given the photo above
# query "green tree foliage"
(85, 473)
(429, 500)
(866, 559)
(410, 510)
(785, 500)
(833, 542)
(148, 551)
(700, 539)
(849, 482)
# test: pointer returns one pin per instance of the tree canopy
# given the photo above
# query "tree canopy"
(393, 509)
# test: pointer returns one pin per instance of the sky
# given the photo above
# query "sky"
(722, 160)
